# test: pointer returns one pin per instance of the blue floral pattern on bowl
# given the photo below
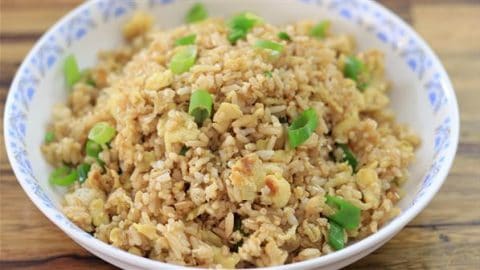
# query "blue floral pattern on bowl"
(365, 14)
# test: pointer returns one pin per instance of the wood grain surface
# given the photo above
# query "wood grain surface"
(446, 235)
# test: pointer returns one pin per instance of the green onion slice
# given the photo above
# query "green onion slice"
(183, 59)
(82, 171)
(268, 74)
(186, 40)
(86, 76)
(102, 133)
(200, 105)
(71, 71)
(236, 246)
(353, 67)
(245, 21)
(347, 215)
(302, 127)
(362, 85)
(237, 222)
(236, 34)
(241, 24)
(63, 176)
(184, 150)
(270, 45)
(336, 236)
(348, 156)
(196, 13)
(319, 31)
(284, 36)
(49, 137)
(93, 149)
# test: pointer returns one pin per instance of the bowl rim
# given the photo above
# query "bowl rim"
(383, 234)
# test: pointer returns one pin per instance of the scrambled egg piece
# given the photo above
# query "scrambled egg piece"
(138, 25)
(159, 80)
(179, 128)
(247, 177)
(368, 182)
(279, 190)
(226, 113)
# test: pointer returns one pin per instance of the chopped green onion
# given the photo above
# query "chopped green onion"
(71, 70)
(183, 59)
(237, 222)
(362, 85)
(63, 176)
(353, 68)
(284, 36)
(200, 105)
(319, 31)
(348, 156)
(184, 150)
(235, 35)
(186, 40)
(100, 162)
(49, 137)
(336, 236)
(102, 133)
(236, 246)
(86, 76)
(268, 74)
(196, 13)
(241, 24)
(82, 171)
(270, 45)
(347, 215)
(245, 21)
(302, 127)
(93, 149)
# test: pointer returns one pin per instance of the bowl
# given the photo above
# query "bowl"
(422, 96)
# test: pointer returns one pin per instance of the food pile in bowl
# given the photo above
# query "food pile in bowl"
(229, 143)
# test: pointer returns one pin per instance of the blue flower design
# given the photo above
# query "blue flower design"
(390, 33)
(47, 55)
(77, 27)
(442, 136)
(348, 9)
(416, 58)
(160, 2)
(115, 8)
(26, 86)
(428, 179)
(436, 93)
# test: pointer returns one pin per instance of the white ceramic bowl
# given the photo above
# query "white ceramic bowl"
(422, 96)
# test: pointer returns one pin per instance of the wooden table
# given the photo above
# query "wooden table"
(446, 235)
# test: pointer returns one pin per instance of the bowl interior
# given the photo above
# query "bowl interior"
(421, 94)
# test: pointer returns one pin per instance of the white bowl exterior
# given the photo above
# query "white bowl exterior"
(422, 96)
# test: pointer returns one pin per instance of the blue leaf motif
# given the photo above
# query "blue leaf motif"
(77, 27)
(428, 179)
(160, 2)
(27, 85)
(346, 8)
(389, 32)
(115, 8)
(442, 136)
(436, 93)
(47, 55)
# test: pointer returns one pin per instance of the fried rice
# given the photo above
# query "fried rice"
(237, 195)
